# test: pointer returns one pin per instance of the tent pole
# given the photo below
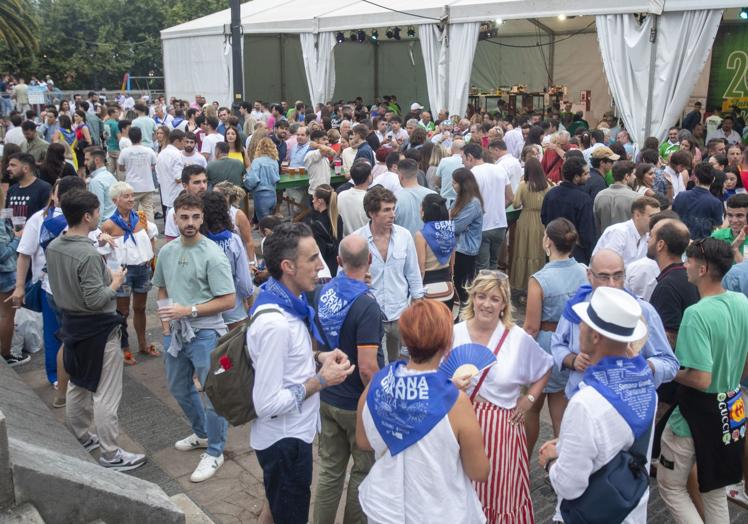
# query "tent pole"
(236, 54)
(376, 69)
(282, 66)
(650, 85)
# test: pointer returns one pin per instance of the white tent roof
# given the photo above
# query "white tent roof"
(300, 16)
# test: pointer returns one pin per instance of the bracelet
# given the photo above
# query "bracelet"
(316, 358)
(548, 465)
(321, 380)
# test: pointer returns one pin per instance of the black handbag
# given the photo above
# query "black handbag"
(614, 490)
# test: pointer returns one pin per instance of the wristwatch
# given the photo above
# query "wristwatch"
(531, 398)
(193, 312)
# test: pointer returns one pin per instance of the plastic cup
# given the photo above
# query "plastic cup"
(113, 264)
(164, 302)
(18, 223)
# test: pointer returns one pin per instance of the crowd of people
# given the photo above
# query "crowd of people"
(628, 260)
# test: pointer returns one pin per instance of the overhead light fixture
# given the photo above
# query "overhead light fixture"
(499, 21)
(396, 33)
(562, 17)
(743, 15)
(375, 35)
(361, 36)
(411, 32)
(390, 34)
(340, 37)
(352, 36)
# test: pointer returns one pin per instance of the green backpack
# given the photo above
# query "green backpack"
(231, 378)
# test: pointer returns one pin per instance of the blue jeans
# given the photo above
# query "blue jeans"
(490, 245)
(264, 203)
(50, 325)
(287, 476)
(194, 358)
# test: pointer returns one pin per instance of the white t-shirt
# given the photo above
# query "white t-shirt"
(138, 162)
(170, 224)
(388, 180)
(169, 173)
(641, 277)
(124, 143)
(520, 361)
(209, 145)
(194, 159)
(351, 209)
(513, 169)
(15, 136)
(132, 253)
(492, 181)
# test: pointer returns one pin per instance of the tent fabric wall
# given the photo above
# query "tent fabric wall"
(681, 50)
(198, 66)
(262, 68)
(401, 72)
(319, 65)
(496, 66)
(354, 71)
(462, 41)
(435, 64)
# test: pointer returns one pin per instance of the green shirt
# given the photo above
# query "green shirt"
(667, 149)
(193, 274)
(112, 142)
(226, 169)
(728, 236)
(713, 337)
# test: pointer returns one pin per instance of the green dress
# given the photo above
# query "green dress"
(528, 256)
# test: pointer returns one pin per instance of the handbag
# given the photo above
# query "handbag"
(621, 483)
(33, 298)
(441, 291)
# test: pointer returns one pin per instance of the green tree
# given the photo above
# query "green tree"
(18, 27)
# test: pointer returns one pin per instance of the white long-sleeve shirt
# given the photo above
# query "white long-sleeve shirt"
(592, 433)
(281, 351)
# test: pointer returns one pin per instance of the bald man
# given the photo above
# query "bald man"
(607, 270)
(351, 320)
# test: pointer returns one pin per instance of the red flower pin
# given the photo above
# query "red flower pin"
(225, 362)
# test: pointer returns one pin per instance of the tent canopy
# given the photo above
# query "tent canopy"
(303, 16)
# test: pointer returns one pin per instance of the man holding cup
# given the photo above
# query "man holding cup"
(195, 286)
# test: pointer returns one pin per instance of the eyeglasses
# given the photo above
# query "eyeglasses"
(605, 277)
(498, 275)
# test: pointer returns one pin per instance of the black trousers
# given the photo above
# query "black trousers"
(287, 475)
(464, 273)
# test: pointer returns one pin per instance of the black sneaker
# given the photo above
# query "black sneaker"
(13, 360)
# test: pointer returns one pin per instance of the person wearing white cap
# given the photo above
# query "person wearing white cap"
(612, 413)
(607, 269)
(416, 108)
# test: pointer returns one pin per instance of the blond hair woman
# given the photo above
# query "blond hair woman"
(262, 177)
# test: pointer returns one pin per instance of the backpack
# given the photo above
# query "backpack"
(231, 377)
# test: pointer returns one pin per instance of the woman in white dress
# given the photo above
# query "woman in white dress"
(496, 394)
(423, 431)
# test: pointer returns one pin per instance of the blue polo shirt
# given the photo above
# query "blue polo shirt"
(699, 210)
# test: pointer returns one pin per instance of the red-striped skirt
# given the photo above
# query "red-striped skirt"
(505, 496)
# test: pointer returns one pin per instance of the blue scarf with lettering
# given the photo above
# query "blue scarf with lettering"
(335, 300)
(52, 227)
(440, 236)
(129, 229)
(221, 238)
(583, 295)
(274, 292)
(628, 384)
(406, 407)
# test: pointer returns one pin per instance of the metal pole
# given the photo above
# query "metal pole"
(650, 86)
(236, 53)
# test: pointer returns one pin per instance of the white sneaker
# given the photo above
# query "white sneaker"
(207, 467)
(123, 461)
(190, 443)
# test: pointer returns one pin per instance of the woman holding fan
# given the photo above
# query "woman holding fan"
(496, 394)
(134, 239)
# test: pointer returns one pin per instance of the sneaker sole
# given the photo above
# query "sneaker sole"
(199, 446)
(123, 468)
(92, 447)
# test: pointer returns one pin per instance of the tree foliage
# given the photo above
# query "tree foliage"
(91, 44)
(18, 27)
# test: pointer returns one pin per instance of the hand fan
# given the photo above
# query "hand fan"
(468, 359)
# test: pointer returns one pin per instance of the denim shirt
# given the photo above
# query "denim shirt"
(737, 278)
(264, 169)
(297, 155)
(656, 350)
(8, 246)
(559, 280)
(468, 226)
(396, 280)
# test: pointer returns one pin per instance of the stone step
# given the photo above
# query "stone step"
(23, 514)
(192, 512)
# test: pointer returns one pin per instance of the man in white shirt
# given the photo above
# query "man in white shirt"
(496, 191)
(613, 408)
(210, 140)
(287, 382)
(351, 201)
(190, 156)
(504, 158)
(137, 162)
(515, 138)
(169, 168)
(390, 179)
(726, 132)
(597, 139)
(194, 181)
(15, 134)
(317, 160)
(629, 239)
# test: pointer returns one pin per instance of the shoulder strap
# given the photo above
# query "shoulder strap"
(640, 445)
(485, 371)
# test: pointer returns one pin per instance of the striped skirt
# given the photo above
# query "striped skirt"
(505, 496)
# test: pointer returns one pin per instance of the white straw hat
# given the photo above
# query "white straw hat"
(614, 314)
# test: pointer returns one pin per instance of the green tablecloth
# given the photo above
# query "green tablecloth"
(302, 181)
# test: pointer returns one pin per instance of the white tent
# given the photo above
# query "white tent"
(285, 37)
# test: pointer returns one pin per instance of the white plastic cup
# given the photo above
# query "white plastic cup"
(164, 302)
(113, 264)
(18, 223)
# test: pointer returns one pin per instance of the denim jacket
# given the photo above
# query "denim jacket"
(468, 225)
(8, 246)
(262, 175)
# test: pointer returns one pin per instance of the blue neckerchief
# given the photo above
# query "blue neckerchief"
(628, 384)
(52, 227)
(406, 408)
(129, 229)
(440, 236)
(222, 238)
(583, 294)
(335, 300)
(274, 292)
(176, 121)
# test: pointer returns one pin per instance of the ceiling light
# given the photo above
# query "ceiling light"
(499, 21)
(396, 33)
(562, 17)
(375, 35)
(340, 37)
(411, 32)
(361, 36)
(390, 34)
(743, 15)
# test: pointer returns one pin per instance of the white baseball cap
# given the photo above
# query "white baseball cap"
(415, 106)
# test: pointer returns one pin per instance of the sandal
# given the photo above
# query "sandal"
(151, 350)
(129, 359)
